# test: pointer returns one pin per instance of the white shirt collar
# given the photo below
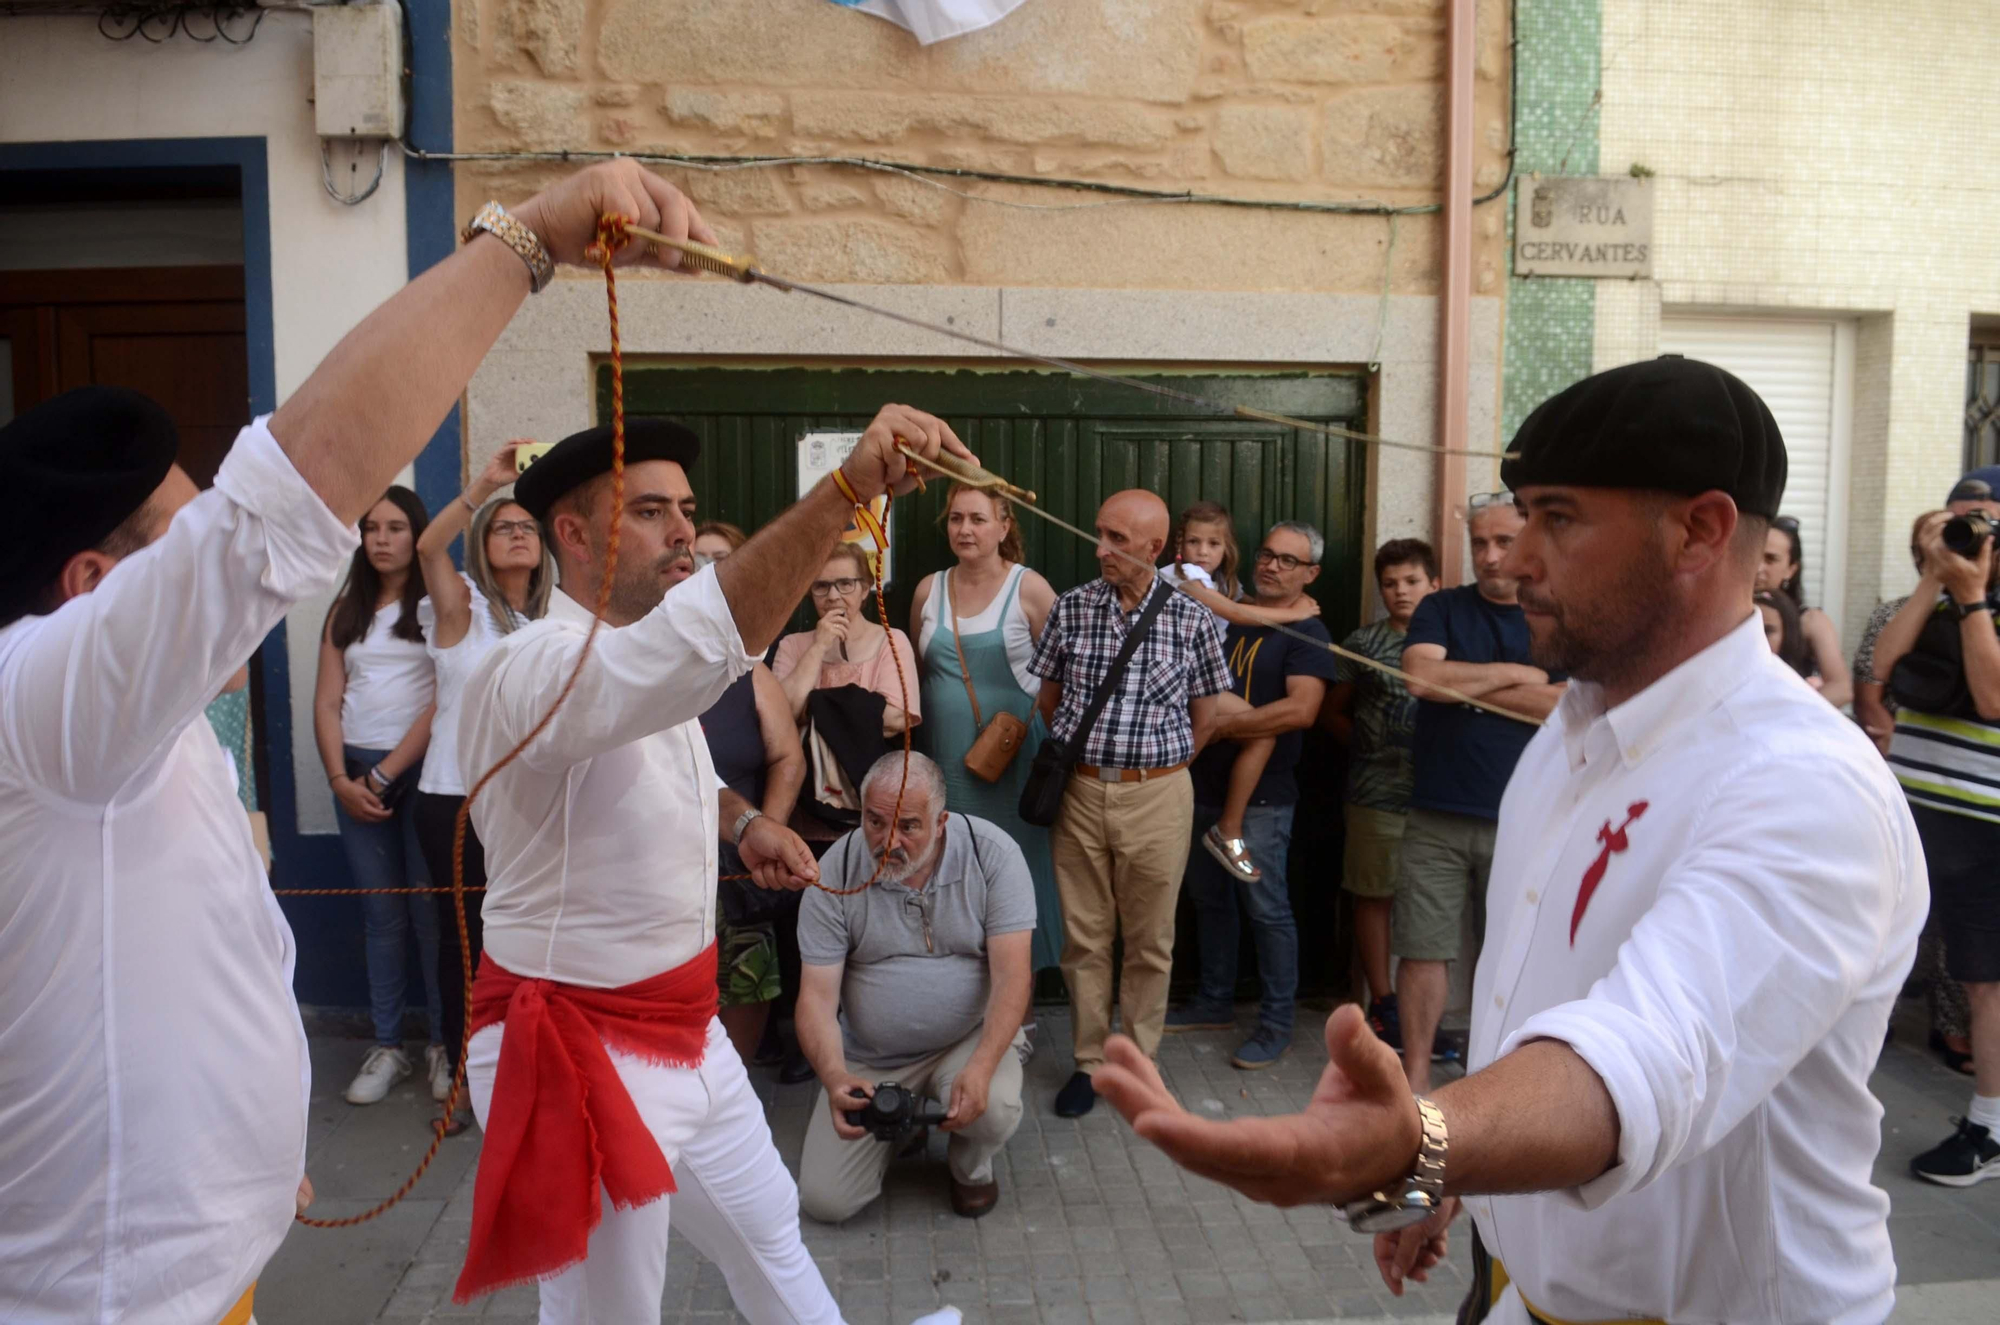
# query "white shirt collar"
(1644, 722)
(562, 607)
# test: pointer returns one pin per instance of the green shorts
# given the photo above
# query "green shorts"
(1445, 862)
(746, 964)
(1374, 840)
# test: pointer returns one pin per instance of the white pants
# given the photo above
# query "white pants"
(736, 1203)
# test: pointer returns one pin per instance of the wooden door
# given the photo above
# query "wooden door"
(174, 333)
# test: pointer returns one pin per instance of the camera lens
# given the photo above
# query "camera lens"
(888, 1101)
(1964, 533)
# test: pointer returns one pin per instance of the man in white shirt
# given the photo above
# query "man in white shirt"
(153, 1071)
(1705, 896)
(597, 1065)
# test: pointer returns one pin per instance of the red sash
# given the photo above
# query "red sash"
(562, 1131)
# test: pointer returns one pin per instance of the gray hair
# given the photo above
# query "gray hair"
(926, 778)
(1315, 541)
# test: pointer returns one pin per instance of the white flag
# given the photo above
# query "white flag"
(935, 20)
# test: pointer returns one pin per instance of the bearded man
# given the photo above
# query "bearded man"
(597, 1065)
(928, 973)
(1706, 893)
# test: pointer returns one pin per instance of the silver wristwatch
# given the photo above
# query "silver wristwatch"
(495, 220)
(1417, 1197)
(743, 822)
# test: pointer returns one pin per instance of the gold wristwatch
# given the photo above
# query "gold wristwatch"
(497, 221)
(1417, 1197)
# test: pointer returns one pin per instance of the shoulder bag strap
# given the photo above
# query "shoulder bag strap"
(1158, 600)
(964, 672)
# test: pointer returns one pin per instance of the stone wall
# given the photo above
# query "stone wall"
(1320, 100)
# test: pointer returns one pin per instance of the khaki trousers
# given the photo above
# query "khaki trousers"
(1120, 849)
(837, 1177)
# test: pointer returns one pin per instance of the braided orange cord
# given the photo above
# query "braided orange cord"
(611, 236)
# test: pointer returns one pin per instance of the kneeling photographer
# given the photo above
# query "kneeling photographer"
(1941, 655)
(921, 981)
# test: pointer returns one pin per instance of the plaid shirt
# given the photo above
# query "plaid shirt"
(1145, 724)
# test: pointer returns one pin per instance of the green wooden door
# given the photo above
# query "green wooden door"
(1074, 442)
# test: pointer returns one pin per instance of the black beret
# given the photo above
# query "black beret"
(1670, 424)
(76, 467)
(582, 456)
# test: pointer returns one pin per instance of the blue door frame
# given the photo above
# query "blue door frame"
(328, 929)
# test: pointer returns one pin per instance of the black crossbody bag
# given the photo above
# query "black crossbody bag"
(1048, 776)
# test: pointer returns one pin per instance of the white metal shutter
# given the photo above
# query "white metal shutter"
(1792, 364)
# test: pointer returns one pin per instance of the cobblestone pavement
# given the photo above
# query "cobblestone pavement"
(1093, 1228)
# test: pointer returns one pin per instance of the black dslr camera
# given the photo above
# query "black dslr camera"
(895, 1111)
(1964, 534)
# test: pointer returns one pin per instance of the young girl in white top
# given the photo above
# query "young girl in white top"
(1205, 562)
(372, 718)
(508, 577)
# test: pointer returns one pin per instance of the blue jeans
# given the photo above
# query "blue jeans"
(386, 855)
(1268, 830)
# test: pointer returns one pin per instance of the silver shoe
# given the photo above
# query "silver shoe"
(1232, 853)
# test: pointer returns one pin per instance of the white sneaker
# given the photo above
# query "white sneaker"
(381, 1069)
(437, 1064)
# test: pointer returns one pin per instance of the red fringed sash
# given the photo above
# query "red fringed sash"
(562, 1130)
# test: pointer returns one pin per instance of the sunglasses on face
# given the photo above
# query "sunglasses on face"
(1282, 560)
(843, 586)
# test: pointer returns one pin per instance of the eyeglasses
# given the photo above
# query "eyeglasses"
(1282, 560)
(508, 528)
(1479, 501)
(920, 903)
(843, 586)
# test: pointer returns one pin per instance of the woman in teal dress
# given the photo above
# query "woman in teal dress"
(998, 606)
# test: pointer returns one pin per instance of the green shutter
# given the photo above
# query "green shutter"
(1073, 441)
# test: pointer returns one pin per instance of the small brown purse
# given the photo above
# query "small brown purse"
(993, 750)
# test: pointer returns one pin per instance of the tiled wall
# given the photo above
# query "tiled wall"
(1815, 155)
(1549, 321)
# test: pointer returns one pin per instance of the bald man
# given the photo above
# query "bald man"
(1121, 842)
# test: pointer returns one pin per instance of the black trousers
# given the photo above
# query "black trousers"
(435, 817)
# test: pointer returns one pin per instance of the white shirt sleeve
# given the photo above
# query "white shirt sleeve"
(1756, 945)
(92, 691)
(666, 668)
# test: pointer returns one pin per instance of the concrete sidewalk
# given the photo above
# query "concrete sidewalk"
(1093, 1227)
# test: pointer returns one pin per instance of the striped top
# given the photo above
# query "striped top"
(1948, 763)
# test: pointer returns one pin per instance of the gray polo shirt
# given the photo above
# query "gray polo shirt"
(899, 999)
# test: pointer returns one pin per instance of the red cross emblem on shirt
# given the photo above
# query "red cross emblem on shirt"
(1614, 843)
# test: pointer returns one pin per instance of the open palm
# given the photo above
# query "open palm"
(1359, 1131)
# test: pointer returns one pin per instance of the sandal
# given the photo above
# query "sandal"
(1232, 853)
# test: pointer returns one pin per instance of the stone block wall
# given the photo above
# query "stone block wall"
(1295, 100)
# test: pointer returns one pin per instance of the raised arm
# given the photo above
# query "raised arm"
(451, 601)
(112, 676)
(374, 402)
(766, 577)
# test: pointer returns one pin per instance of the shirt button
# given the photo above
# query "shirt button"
(1533, 897)
(1499, 1002)
(1631, 752)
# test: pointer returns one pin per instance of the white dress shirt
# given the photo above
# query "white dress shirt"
(1730, 979)
(601, 838)
(153, 1071)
